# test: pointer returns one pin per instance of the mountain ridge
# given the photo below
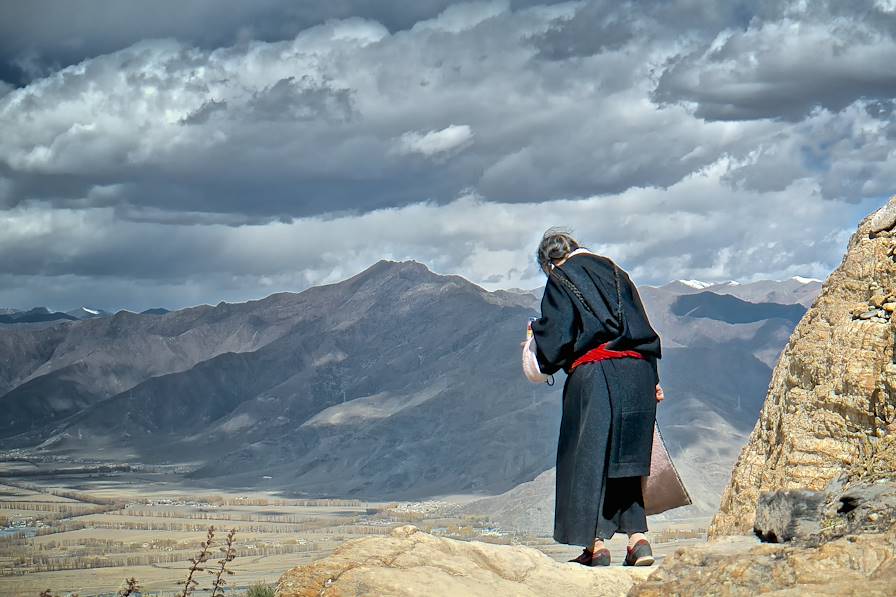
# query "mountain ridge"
(398, 376)
(410, 265)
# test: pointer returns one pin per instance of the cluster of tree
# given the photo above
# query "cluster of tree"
(220, 500)
(77, 496)
(669, 535)
(29, 564)
(161, 525)
(228, 516)
(199, 563)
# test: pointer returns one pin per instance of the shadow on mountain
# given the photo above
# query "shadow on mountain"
(730, 309)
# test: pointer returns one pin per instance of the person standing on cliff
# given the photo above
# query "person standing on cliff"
(594, 327)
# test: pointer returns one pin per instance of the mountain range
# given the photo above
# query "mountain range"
(796, 290)
(44, 315)
(397, 383)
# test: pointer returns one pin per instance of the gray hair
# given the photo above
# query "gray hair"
(556, 244)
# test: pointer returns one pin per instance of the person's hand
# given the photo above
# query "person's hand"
(660, 395)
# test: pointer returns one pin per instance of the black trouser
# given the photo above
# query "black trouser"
(623, 508)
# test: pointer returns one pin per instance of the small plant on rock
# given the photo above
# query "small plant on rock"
(260, 590)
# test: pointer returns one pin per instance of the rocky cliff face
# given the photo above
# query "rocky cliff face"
(833, 391)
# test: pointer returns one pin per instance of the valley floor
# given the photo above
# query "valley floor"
(86, 533)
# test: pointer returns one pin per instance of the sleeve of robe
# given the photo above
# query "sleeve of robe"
(554, 331)
(636, 298)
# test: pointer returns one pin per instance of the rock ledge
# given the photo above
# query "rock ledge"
(410, 562)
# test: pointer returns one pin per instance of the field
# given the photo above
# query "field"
(87, 533)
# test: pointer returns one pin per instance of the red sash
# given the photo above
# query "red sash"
(602, 353)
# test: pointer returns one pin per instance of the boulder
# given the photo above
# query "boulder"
(863, 504)
(410, 562)
(884, 219)
(784, 515)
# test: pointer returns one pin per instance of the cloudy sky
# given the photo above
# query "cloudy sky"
(174, 153)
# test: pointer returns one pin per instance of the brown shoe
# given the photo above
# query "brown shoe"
(589, 558)
(639, 554)
(601, 557)
(584, 558)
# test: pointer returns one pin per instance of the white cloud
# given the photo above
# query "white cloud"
(448, 140)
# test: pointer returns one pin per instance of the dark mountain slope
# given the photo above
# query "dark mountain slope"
(448, 424)
(127, 348)
(398, 377)
(43, 400)
(730, 309)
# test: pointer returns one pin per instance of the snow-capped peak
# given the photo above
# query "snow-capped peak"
(91, 311)
(696, 284)
(732, 283)
(802, 280)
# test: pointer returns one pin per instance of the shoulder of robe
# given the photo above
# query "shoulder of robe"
(594, 262)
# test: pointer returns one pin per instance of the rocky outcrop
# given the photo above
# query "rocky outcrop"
(841, 541)
(410, 562)
(860, 564)
(833, 391)
(784, 515)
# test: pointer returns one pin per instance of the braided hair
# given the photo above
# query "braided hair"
(555, 245)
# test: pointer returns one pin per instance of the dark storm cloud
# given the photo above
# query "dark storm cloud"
(347, 117)
(747, 59)
(520, 105)
(783, 70)
(602, 25)
(595, 27)
(38, 37)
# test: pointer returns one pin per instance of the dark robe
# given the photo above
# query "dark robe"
(609, 407)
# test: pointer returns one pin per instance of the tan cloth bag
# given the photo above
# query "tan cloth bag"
(663, 489)
(530, 363)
